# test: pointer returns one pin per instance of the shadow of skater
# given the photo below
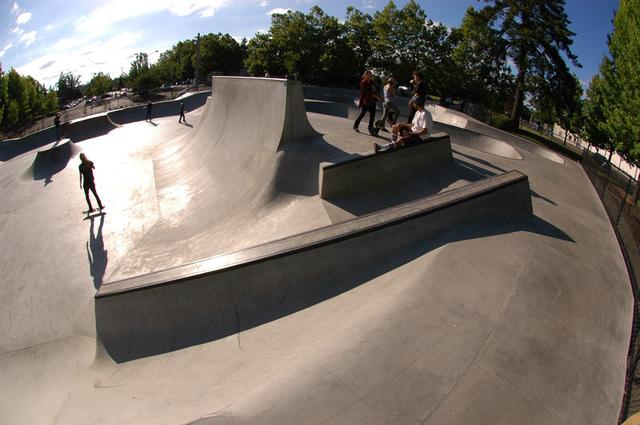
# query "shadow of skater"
(96, 254)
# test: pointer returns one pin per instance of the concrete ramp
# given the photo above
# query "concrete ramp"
(223, 295)
(52, 160)
(88, 128)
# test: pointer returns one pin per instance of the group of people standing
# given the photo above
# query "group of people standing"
(419, 124)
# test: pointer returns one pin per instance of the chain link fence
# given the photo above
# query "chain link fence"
(619, 194)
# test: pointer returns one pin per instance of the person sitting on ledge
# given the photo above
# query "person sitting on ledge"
(419, 129)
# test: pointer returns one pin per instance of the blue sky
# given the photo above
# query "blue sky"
(43, 38)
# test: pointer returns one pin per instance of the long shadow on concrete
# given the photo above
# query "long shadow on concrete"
(431, 182)
(96, 254)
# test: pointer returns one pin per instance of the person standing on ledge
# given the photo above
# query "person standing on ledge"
(87, 182)
(149, 106)
(182, 117)
(367, 101)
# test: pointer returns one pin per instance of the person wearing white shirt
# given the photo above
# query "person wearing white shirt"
(419, 129)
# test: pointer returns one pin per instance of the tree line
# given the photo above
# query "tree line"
(510, 56)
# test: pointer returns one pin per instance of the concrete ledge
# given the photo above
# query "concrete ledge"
(372, 171)
(220, 296)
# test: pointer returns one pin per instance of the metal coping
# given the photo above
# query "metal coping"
(314, 238)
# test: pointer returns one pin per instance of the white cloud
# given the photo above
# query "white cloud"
(278, 10)
(28, 38)
(101, 19)
(15, 8)
(16, 30)
(23, 18)
(7, 47)
(264, 3)
(85, 57)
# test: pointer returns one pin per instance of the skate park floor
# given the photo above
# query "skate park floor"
(495, 322)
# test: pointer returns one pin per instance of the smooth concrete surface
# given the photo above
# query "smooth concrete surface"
(224, 295)
(391, 167)
(498, 322)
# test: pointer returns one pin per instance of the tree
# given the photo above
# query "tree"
(481, 57)
(100, 84)
(622, 77)
(537, 35)
(4, 96)
(221, 53)
(595, 130)
(405, 39)
(68, 87)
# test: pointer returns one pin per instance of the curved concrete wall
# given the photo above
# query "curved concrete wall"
(159, 109)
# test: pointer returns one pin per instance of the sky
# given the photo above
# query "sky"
(43, 38)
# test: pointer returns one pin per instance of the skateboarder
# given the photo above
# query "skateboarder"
(417, 131)
(149, 106)
(56, 122)
(87, 182)
(182, 118)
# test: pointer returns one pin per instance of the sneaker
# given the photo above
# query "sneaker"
(356, 129)
(394, 137)
(376, 147)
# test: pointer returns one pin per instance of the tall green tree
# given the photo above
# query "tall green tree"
(405, 39)
(221, 53)
(481, 56)
(622, 77)
(68, 87)
(100, 84)
(4, 96)
(537, 35)
(594, 112)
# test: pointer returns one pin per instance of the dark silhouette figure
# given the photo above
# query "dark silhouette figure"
(367, 101)
(56, 122)
(419, 91)
(149, 107)
(182, 117)
(87, 181)
(96, 254)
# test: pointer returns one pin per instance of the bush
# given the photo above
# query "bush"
(501, 121)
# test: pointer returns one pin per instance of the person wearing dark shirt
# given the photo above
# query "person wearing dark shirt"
(420, 90)
(182, 117)
(149, 106)
(87, 181)
(367, 101)
(56, 122)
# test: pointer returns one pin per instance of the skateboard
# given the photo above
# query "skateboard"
(95, 212)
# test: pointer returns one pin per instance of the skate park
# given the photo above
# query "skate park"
(262, 265)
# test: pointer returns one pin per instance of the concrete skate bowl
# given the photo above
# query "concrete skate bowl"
(52, 160)
(159, 109)
(76, 130)
(224, 295)
(457, 119)
(478, 141)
